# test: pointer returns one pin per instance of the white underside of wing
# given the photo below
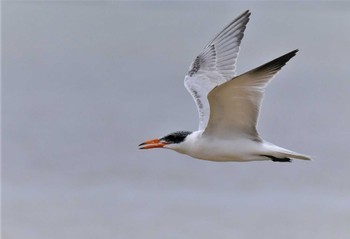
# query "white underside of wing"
(215, 65)
(199, 87)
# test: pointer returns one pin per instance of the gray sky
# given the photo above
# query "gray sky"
(85, 82)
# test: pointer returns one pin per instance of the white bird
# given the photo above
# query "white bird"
(228, 105)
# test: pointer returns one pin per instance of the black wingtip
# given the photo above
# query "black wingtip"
(275, 65)
(294, 52)
(288, 55)
(246, 13)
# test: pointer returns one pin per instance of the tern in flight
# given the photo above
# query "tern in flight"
(228, 105)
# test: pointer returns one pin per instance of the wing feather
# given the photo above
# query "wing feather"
(215, 65)
(234, 105)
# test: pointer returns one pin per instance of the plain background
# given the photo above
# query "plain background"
(85, 82)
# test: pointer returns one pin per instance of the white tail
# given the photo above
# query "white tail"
(275, 151)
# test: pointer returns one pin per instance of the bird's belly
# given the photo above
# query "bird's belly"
(220, 156)
(235, 150)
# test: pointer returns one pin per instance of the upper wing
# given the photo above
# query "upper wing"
(234, 105)
(215, 65)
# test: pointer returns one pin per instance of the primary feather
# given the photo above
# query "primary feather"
(215, 65)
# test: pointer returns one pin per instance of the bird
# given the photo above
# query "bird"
(228, 105)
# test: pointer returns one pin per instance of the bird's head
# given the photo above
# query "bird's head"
(170, 141)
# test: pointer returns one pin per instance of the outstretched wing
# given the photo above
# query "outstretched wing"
(215, 65)
(234, 105)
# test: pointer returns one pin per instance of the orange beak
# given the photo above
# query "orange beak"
(153, 143)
